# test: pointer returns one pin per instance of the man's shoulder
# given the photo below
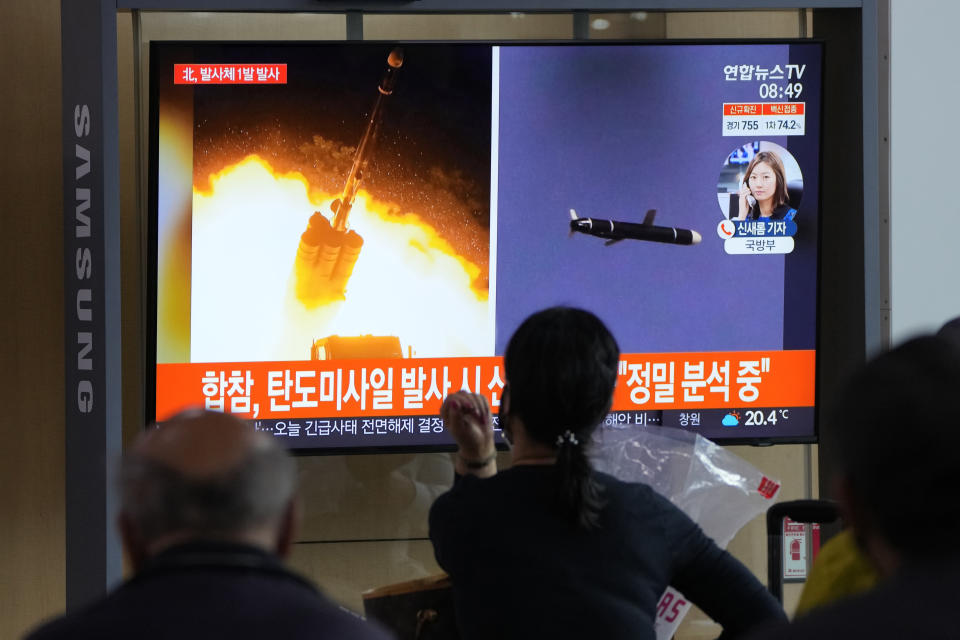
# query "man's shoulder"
(843, 620)
(243, 609)
(901, 608)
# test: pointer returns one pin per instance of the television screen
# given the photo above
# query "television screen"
(344, 233)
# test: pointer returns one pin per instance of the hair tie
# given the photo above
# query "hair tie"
(567, 436)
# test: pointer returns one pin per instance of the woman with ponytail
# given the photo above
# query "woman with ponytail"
(551, 548)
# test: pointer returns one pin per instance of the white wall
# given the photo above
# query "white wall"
(925, 180)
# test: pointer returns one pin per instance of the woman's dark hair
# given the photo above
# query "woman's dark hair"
(561, 367)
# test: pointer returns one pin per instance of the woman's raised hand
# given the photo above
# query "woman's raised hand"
(467, 417)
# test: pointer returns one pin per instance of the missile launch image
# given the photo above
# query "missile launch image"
(344, 212)
(328, 251)
(614, 231)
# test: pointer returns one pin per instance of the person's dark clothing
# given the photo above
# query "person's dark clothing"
(780, 212)
(921, 603)
(520, 570)
(212, 590)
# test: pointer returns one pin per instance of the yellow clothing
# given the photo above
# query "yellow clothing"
(840, 570)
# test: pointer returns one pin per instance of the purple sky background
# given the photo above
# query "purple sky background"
(612, 131)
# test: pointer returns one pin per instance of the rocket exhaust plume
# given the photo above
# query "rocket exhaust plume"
(328, 252)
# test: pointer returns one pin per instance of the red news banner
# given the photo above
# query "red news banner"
(763, 108)
(416, 387)
(230, 73)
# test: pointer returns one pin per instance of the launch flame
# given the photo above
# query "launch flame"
(408, 282)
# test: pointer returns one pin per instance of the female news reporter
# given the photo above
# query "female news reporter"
(763, 195)
(551, 548)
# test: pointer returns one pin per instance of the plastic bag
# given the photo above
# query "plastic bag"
(718, 490)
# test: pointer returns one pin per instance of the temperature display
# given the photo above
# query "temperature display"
(760, 418)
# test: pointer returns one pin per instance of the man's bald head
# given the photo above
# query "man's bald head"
(201, 443)
(205, 475)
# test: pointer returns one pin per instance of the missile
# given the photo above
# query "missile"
(328, 251)
(342, 205)
(614, 231)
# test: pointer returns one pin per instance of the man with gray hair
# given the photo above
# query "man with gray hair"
(208, 511)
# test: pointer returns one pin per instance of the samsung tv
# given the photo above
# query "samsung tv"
(344, 233)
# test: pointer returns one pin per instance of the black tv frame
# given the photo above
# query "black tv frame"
(149, 355)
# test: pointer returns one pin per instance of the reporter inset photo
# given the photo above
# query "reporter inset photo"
(760, 181)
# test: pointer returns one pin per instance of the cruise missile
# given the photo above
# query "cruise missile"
(614, 231)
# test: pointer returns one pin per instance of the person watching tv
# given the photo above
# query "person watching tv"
(207, 512)
(896, 426)
(551, 548)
